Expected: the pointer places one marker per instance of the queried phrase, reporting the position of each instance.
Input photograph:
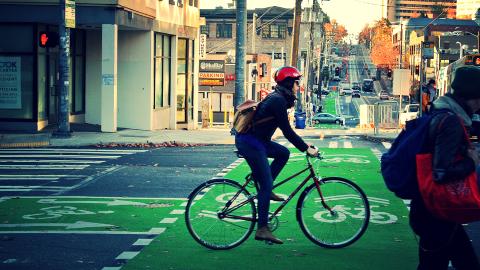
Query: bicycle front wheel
(213, 223)
(344, 223)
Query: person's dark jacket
(276, 105)
(447, 140)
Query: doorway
(52, 84)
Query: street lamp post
(461, 49)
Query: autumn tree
(365, 36)
(336, 30)
(383, 52)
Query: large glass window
(16, 72)
(182, 48)
(78, 64)
(162, 70)
(274, 31)
(224, 30)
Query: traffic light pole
(64, 81)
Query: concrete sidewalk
(215, 135)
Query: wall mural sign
(10, 83)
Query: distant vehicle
(356, 86)
(410, 112)
(367, 85)
(356, 93)
(345, 91)
(383, 95)
(327, 118)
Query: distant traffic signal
(48, 39)
(337, 71)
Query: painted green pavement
(387, 244)
(80, 214)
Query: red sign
(230, 77)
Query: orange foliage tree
(335, 29)
(383, 52)
(364, 36)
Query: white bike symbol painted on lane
(57, 211)
(334, 158)
(342, 212)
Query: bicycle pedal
(267, 242)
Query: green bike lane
(387, 243)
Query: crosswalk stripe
(32, 187)
(42, 167)
(347, 144)
(66, 161)
(55, 155)
(73, 150)
(387, 145)
(41, 175)
(333, 145)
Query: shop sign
(428, 50)
(212, 73)
(70, 13)
(10, 83)
(212, 66)
(203, 46)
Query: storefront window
(182, 76)
(162, 70)
(16, 72)
(77, 62)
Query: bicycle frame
(225, 213)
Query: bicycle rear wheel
(340, 227)
(207, 221)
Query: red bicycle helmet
(286, 72)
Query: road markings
(42, 167)
(387, 145)
(127, 255)
(168, 220)
(68, 226)
(66, 161)
(333, 145)
(61, 156)
(177, 212)
(143, 242)
(347, 144)
(109, 203)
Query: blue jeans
(256, 154)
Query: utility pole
(296, 32)
(294, 53)
(254, 32)
(240, 52)
(64, 71)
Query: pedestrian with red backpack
(254, 143)
(452, 159)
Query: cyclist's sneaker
(275, 197)
(264, 234)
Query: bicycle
(221, 214)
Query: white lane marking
(94, 197)
(75, 232)
(156, 231)
(143, 242)
(30, 179)
(333, 145)
(40, 175)
(387, 145)
(32, 187)
(168, 220)
(66, 161)
(184, 204)
(72, 150)
(127, 255)
(177, 212)
(60, 156)
(42, 167)
(347, 144)
(112, 268)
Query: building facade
(132, 64)
(466, 9)
(406, 9)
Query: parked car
(411, 112)
(327, 118)
(383, 95)
(356, 86)
(356, 93)
(367, 85)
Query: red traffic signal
(48, 39)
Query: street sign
(203, 46)
(70, 13)
(401, 81)
(212, 73)
(427, 48)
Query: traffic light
(389, 73)
(48, 39)
(337, 71)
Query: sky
(354, 14)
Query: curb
(377, 139)
(24, 141)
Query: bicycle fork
(322, 199)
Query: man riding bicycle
(256, 146)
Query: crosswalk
(341, 143)
(50, 171)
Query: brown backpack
(243, 120)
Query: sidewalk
(215, 135)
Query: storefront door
(52, 88)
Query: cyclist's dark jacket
(275, 104)
(448, 143)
